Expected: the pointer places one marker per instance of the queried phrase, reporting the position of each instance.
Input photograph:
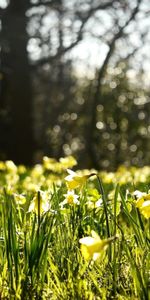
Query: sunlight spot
(106, 135)
(113, 84)
(67, 149)
(73, 116)
(111, 147)
(100, 107)
(56, 128)
(100, 125)
(133, 148)
(141, 115)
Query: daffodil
(92, 246)
(21, 169)
(30, 185)
(96, 204)
(70, 198)
(49, 163)
(44, 203)
(37, 171)
(140, 198)
(68, 162)
(20, 199)
(143, 203)
(108, 177)
(10, 166)
(73, 180)
(2, 166)
(145, 209)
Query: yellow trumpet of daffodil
(73, 180)
(70, 198)
(143, 203)
(140, 197)
(145, 209)
(92, 246)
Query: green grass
(40, 256)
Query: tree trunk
(16, 69)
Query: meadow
(74, 234)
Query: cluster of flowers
(125, 175)
(92, 246)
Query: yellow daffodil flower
(10, 166)
(70, 198)
(140, 198)
(73, 180)
(20, 199)
(21, 169)
(49, 163)
(143, 203)
(68, 162)
(145, 209)
(92, 246)
(2, 166)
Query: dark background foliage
(47, 107)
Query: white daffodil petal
(87, 240)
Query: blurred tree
(16, 70)
(45, 100)
(21, 20)
(122, 128)
(118, 34)
(123, 120)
